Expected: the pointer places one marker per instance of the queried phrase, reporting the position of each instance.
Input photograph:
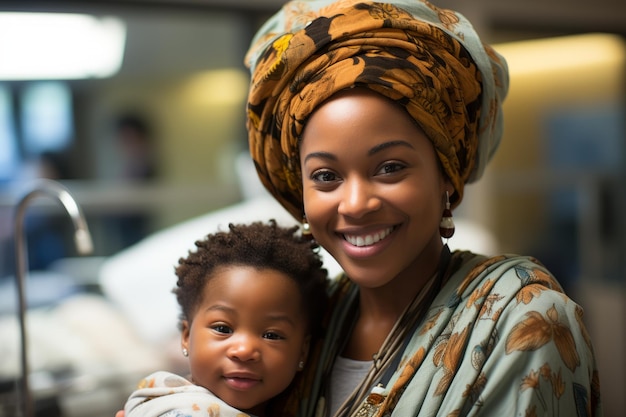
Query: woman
(366, 120)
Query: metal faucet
(84, 245)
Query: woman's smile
(368, 239)
(362, 246)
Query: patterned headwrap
(427, 59)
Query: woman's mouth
(369, 239)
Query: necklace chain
(391, 346)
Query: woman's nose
(358, 198)
(243, 347)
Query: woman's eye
(222, 328)
(323, 176)
(391, 167)
(272, 336)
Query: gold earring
(306, 229)
(446, 226)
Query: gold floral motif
(556, 386)
(526, 294)
(448, 354)
(537, 330)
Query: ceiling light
(38, 46)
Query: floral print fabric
(169, 395)
(501, 339)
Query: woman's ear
(448, 188)
(451, 190)
(447, 185)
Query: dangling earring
(306, 229)
(446, 226)
(301, 365)
(185, 352)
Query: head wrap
(427, 59)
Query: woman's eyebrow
(390, 144)
(321, 155)
(378, 148)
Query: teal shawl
(500, 338)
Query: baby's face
(248, 336)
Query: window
(46, 117)
(9, 157)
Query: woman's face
(373, 190)
(247, 337)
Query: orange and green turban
(427, 59)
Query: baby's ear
(306, 345)
(184, 334)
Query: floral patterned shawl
(501, 338)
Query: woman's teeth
(368, 239)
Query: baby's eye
(273, 336)
(222, 328)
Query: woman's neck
(390, 300)
(381, 307)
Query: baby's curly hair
(259, 245)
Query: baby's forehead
(257, 283)
(256, 301)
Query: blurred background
(137, 107)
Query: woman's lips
(365, 245)
(367, 239)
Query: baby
(252, 300)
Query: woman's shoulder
(505, 290)
(513, 293)
(507, 274)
